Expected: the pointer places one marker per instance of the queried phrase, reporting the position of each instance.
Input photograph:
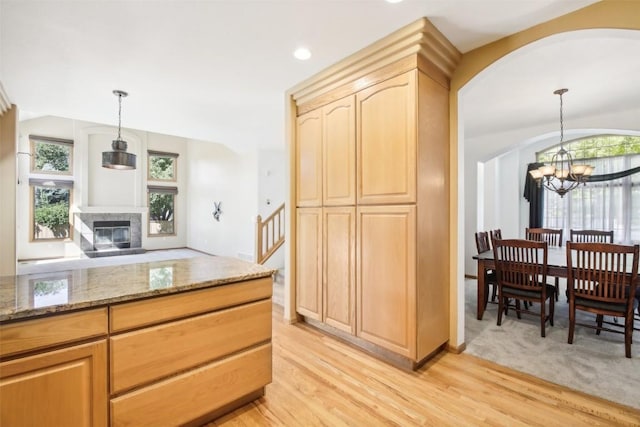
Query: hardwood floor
(319, 381)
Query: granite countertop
(32, 295)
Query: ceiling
(218, 70)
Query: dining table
(556, 267)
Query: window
(50, 201)
(161, 210)
(604, 205)
(51, 198)
(51, 155)
(161, 166)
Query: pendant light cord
(120, 112)
(561, 122)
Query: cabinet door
(339, 267)
(386, 277)
(339, 142)
(309, 159)
(309, 262)
(386, 141)
(59, 388)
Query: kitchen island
(162, 343)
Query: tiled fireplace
(109, 234)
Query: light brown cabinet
(61, 387)
(339, 153)
(386, 141)
(186, 357)
(386, 279)
(326, 268)
(179, 359)
(325, 155)
(338, 278)
(398, 227)
(309, 265)
(309, 159)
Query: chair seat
(601, 305)
(517, 292)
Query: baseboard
(456, 349)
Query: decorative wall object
(217, 211)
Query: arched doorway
(473, 70)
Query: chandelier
(561, 175)
(119, 158)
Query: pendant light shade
(119, 158)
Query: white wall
(218, 174)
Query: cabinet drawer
(35, 334)
(149, 354)
(153, 311)
(194, 394)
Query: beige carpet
(593, 364)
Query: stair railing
(269, 234)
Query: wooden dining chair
(550, 235)
(483, 245)
(602, 279)
(596, 236)
(521, 269)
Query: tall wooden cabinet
(372, 221)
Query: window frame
(48, 184)
(37, 139)
(159, 154)
(173, 191)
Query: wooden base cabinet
(179, 359)
(386, 280)
(326, 268)
(339, 274)
(185, 358)
(49, 375)
(65, 387)
(194, 394)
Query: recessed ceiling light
(302, 53)
(394, 1)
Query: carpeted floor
(593, 364)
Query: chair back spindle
(592, 236)
(602, 278)
(552, 236)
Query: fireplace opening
(111, 235)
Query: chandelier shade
(119, 158)
(561, 175)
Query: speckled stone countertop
(33, 295)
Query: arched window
(603, 205)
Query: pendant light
(561, 175)
(119, 158)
